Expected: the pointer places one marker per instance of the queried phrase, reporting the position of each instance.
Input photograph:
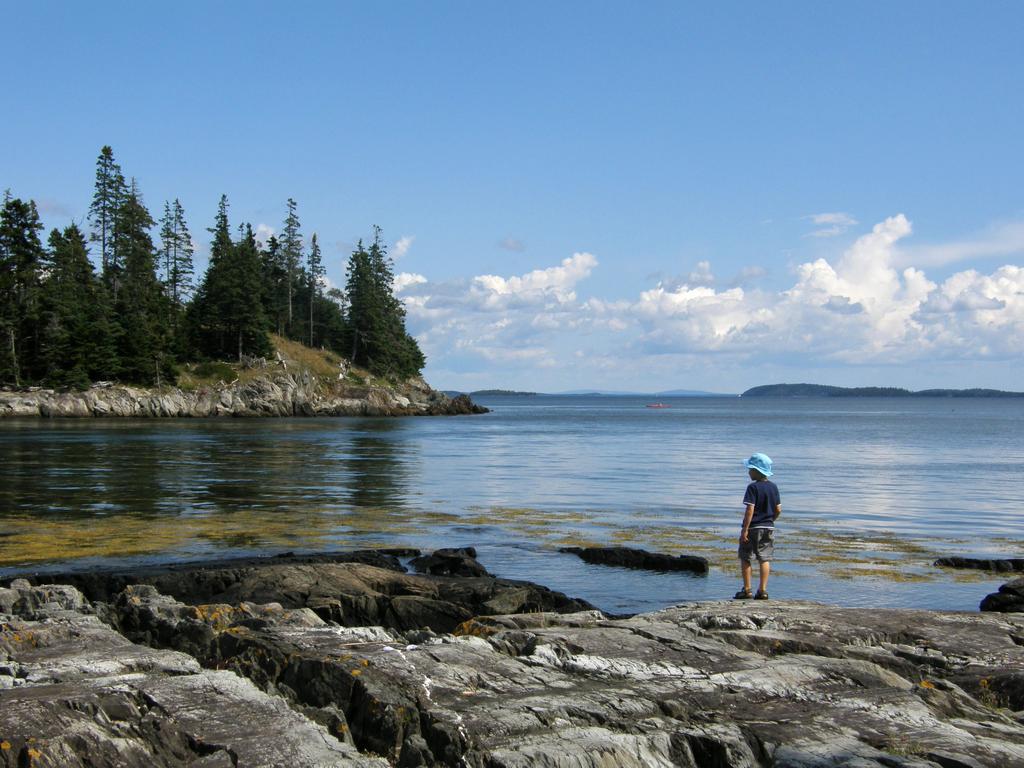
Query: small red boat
(658, 405)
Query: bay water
(873, 490)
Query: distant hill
(824, 390)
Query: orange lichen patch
(355, 672)
(474, 628)
(927, 684)
(5, 745)
(22, 638)
(218, 616)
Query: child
(757, 537)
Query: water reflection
(859, 486)
(111, 489)
(377, 462)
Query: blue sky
(680, 195)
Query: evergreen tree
(275, 285)
(243, 313)
(315, 271)
(206, 330)
(21, 254)
(77, 340)
(227, 317)
(376, 317)
(167, 238)
(361, 303)
(176, 253)
(139, 301)
(398, 354)
(334, 330)
(107, 197)
(291, 254)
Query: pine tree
(181, 268)
(275, 285)
(334, 329)
(315, 271)
(176, 250)
(398, 354)
(376, 317)
(176, 270)
(168, 239)
(139, 301)
(107, 197)
(361, 303)
(77, 339)
(205, 329)
(21, 254)
(244, 313)
(291, 254)
(226, 316)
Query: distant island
(823, 390)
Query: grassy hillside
(297, 357)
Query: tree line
(139, 312)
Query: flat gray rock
(728, 684)
(73, 692)
(724, 684)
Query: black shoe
(761, 595)
(743, 594)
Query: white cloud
(263, 233)
(863, 307)
(541, 285)
(830, 224)
(402, 247)
(404, 280)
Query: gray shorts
(760, 545)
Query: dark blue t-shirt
(764, 495)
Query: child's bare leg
(766, 566)
(745, 570)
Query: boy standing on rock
(757, 538)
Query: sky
(619, 196)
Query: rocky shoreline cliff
(353, 662)
(278, 393)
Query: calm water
(873, 490)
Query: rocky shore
(350, 661)
(278, 393)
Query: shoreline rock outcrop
(279, 393)
(997, 564)
(629, 557)
(340, 588)
(250, 665)
(1009, 598)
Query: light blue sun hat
(761, 462)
